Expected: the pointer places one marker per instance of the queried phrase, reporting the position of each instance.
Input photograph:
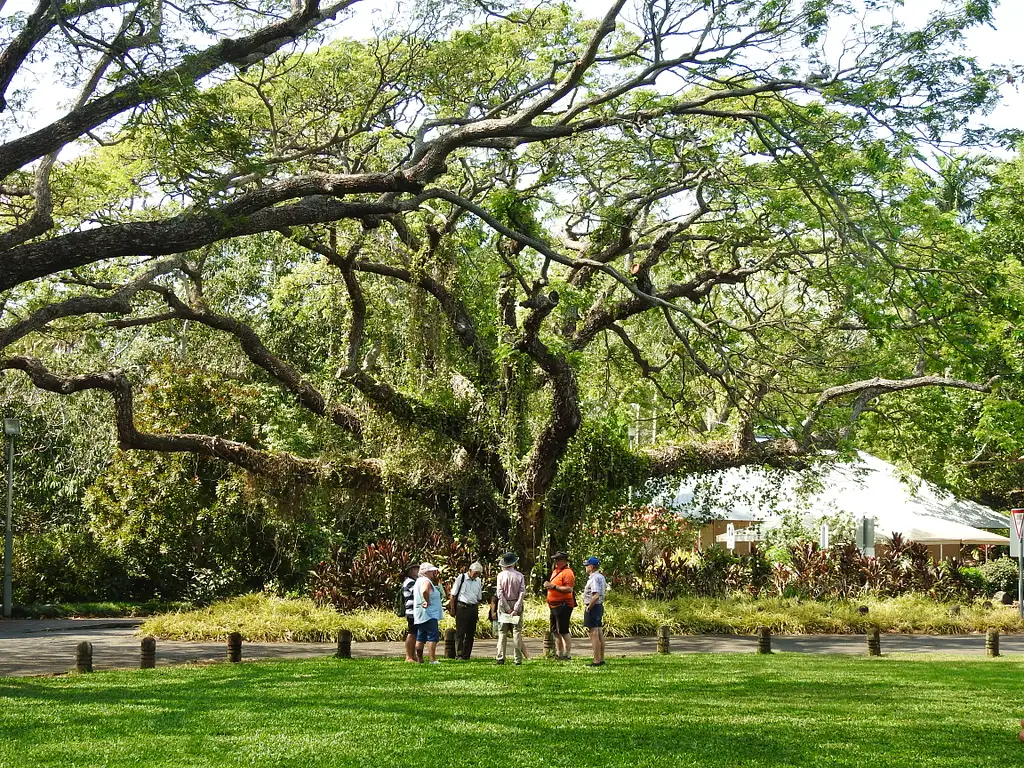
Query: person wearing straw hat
(593, 608)
(511, 592)
(427, 612)
(467, 592)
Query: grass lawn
(685, 710)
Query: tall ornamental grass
(264, 618)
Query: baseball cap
(591, 561)
(426, 567)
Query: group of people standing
(424, 598)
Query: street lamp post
(12, 428)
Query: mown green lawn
(686, 710)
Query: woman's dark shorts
(560, 619)
(593, 617)
(412, 624)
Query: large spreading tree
(488, 232)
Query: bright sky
(998, 44)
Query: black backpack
(400, 601)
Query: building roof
(866, 487)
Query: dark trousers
(466, 617)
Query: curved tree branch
(118, 302)
(308, 396)
(688, 458)
(872, 388)
(240, 51)
(185, 232)
(364, 475)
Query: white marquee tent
(868, 487)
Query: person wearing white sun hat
(427, 612)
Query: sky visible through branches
(998, 44)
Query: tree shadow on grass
(683, 711)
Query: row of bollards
(83, 653)
(147, 659)
(764, 641)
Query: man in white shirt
(467, 592)
(593, 608)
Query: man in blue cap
(593, 608)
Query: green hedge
(263, 618)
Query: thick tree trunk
(542, 466)
(529, 535)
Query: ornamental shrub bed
(264, 618)
(801, 570)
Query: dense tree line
(338, 285)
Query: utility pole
(12, 428)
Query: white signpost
(1017, 516)
(1017, 549)
(730, 536)
(823, 541)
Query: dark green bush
(1000, 575)
(64, 566)
(974, 581)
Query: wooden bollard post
(449, 643)
(83, 657)
(663, 642)
(148, 659)
(992, 642)
(764, 640)
(344, 644)
(874, 642)
(549, 645)
(235, 647)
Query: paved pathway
(48, 647)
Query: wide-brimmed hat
(560, 556)
(427, 567)
(509, 559)
(410, 566)
(477, 566)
